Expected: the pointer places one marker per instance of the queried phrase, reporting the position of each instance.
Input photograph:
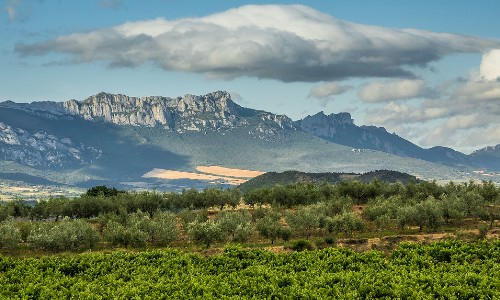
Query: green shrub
(10, 235)
(301, 245)
(163, 229)
(116, 234)
(63, 236)
(206, 233)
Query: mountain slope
(488, 157)
(340, 128)
(119, 138)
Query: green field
(446, 270)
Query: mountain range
(115, 139)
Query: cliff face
(37, 147)
(213, 111)
(326, 125)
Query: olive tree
(63, 236)
(346, 222)
(206, 233)
(10, 236)
(231, 221)
(303, 221)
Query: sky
(428, 71)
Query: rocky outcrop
(214, 111)
(326, 125)
(40, 149)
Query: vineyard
(445, 270)
(300, 241)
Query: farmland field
(446, 270)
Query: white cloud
(488, 137)
(465, 115)
(381, 91)
(12, 10)
(490, 65)
(283, 42)
(328, 89)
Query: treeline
(100, 200)
(109, 217)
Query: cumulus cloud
(328, 89)
(382, 91)
(324, 93)
(490, 65)
(282, 42)
(466, 114)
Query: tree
(425, 213)
(304, 221)
(163, 229)
(10, 235)
(243, 232)
(118, 234)
(65, 235)
(346, 222)
(270, 227)
(102, 190)
(473, 200)
(454, 207)
(206, 233)
(230, 220)
(57, 207)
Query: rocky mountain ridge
(340, 128)
(213, 111)
(114, 139)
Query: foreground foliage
(446, 270)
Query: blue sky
(426, 70)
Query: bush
(10, 235)
(117, 234)
(207, 232)
(346, 222)
(163, 229)
(66, 235)
(301, 245)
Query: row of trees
(100, 200)
(139, 219)
(139, 229)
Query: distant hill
(291, 177)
